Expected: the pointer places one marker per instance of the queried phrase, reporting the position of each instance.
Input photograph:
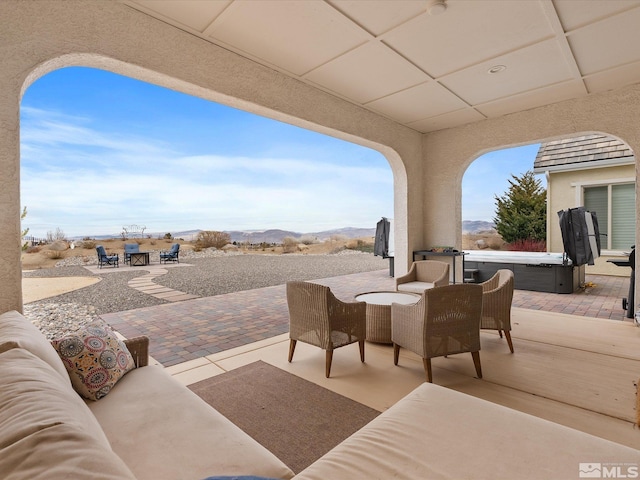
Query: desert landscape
(51, 255)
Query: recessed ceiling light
(436, 7)
(497, 69)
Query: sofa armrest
(139, 349)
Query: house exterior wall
(564, 192)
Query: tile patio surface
(185, 330)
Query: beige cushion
(95, 359)
(60, 452)
(32, 398)
(46, 430)
(162, 430)
(415, 287)
(438, 433)
(17, 330)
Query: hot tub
(537, 271)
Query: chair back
(101, 251)
(452, 319)
(131, 248)
(308, 305)
(175, 248)
(431, 270)
(496, 300)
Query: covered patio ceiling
(427, 64)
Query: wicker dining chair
(318, 318)
(497, 295)
(423, 275)
(445, 321)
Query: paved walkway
(145, 284)
(186, 330)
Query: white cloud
(90, 182)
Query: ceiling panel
(367, 73)
(427, 100)
(448, 120)
(427, 71)
(614, 78)
(608, 43)
(532, 99)
(379, 16)
(534, 67)
(578, 13)
(294, 36)
(457, 39)
(195, 14)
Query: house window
(615, 207)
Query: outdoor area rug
(297, 420)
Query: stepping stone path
(146, 285)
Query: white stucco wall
(39, 36)
(448, 153)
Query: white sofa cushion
(438, 433)
(148, 410)
(17, 330)
(415, 287)
(46, 430)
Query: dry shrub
(289, 245)
(88, 244)
(33, 249)
(210, 238)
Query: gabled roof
(586, 151)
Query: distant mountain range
(276, 235)
(477, 226)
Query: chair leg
(292, 348)
(427, 369)
(476, 362)
(396, 353)
(500, 333)
(327, 368)
(507, 334)
(361, 345)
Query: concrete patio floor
(576, 370)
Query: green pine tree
(521, 213)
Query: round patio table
(379, 312)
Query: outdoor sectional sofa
(150, 426)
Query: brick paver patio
(190, 329)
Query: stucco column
(10, 262)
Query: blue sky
(101, 151)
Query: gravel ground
(209, 276)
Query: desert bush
(168, 236)
(308, 240)
(289, 245)
(360, 245)
(89, 244)
(33, 249)
(528, 245)
(152, 242)
(337, 238)
(55, 236)
(210, 238)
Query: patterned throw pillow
(94, 358)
